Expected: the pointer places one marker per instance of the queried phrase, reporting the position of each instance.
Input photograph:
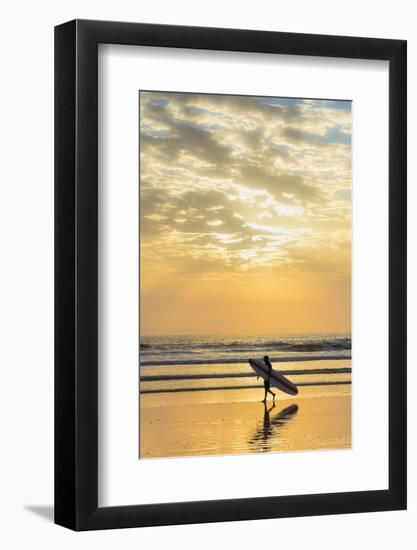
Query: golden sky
(245, 214)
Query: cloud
(231, 184)
(278, 183)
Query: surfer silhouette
(267, 382)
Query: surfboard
(277, 379)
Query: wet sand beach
(210, 421)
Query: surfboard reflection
(261, 441)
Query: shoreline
(223, 388)
(185, 378)
(238, 360)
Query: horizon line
(341, 333)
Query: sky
(245, 215)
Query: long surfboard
(277, 379)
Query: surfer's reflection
(261, 440)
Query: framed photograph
(230, 245)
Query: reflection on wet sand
(180, 425)
(261, 441)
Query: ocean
(171, 364)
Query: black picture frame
(76, 272)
